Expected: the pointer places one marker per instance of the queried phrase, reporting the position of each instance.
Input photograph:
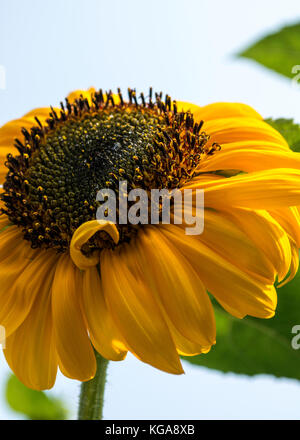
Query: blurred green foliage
(257, 346)
(279, 51)
(289, 130)
(34, 405)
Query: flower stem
(92, 393)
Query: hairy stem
(92, 393)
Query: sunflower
(71, 284)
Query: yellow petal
(4, 223)
(219, 110)
(12, 130)
(85, 94)
(178, 287)
(88, 94)
(136, 313)
(22, 272)
(183, 345)
(103, 333)
(268, 236)
(248, 160)
(10, 238)
(189, 107)
(237, 291)
(259, 190)
(30, 350)
(83, 234)
(76, 355)
(229, 130)
(228, 240)
(294, 264)
(289, 219)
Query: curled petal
(83, 234)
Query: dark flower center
(51, 186)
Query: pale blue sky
(184, 48)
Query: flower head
(70, 282)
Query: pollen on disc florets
(51, 186)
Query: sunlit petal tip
(83, 234)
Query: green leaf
(289, 130)
(33, 404)
(279, 51)
(258, 346)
